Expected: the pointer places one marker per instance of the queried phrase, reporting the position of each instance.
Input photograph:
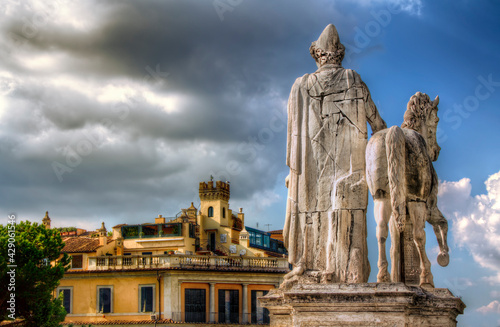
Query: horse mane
(417, 111)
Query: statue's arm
(372, 116)
(294, 102)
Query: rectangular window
(104, 299)
(174, 229)
(146, 298)
(192, 231)
(67, 294)
(266, 241)
(77, 261)
(260, 315)
(195, 305)
(251, 235)
(258, 239)
(130, 231)
(150, 230)
(229, 307)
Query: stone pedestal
(368, 305)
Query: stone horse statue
(404, 185)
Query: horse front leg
(440, 226)
(418, 214)
(382, 215)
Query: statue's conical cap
(329, 39)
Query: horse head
(421, 116)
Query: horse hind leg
(382, 214)
(418, 213)
(395, 251)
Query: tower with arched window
(215, 216)
(215, 201)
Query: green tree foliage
(65, 229)
(35, 277)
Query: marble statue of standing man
(325, 227)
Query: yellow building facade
(203, 265)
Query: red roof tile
(81, 244)
(12, 323)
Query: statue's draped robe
(325, 227)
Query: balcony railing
(128, 262)
(217, 247)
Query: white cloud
(493, 307)
(476, 220)
(81, 16)
(120, 90)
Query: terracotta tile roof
(12, 323)
(120, 322)
(278, 231)
(81, 244)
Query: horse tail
(395, 150)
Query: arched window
(211, 211)
(223, 212)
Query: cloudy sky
(115, 110)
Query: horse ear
(436, 101)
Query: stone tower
(103, 232)
(46, 220)
(215, 201)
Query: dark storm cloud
(233, 77)
(187, 39)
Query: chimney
(160, 220)
(244, 239)
(241, 216)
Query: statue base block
(368, 305)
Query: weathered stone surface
(325, 227)
(373, 304)
(404, 184)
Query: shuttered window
(146, 299)
(195, 305)
(229, 306)
(77, 261)
(104, 303)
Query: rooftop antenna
(267, 226)
(257, 225)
